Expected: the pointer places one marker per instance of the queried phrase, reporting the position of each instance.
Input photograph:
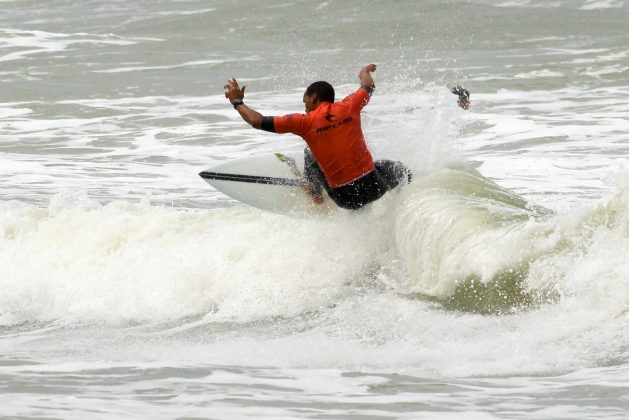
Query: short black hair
(323, 90)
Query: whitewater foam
(138, 262)
(242, 286)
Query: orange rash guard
(334, 135)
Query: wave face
(476, 246)
(458, 231)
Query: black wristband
(368, 88)
(237, 102)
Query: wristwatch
(237, 102)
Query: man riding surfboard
(337, 158)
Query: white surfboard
(269, 181)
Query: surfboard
(270, 181)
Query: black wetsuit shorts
(387, 175)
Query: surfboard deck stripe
(253, 179)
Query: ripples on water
(500, 293)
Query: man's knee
(393, 172)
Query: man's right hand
(365, 75)
(369, 68)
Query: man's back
(334, 134)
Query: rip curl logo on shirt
(335, 125)
(331, 117)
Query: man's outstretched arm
(236, 94)
(360, 98)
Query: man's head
(316, 93)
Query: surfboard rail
(254, 179)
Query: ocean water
(496, 286)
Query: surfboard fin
(315, 194)
(290, 162)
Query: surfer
(337, 158)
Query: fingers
(242, 90)
(231, 84)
